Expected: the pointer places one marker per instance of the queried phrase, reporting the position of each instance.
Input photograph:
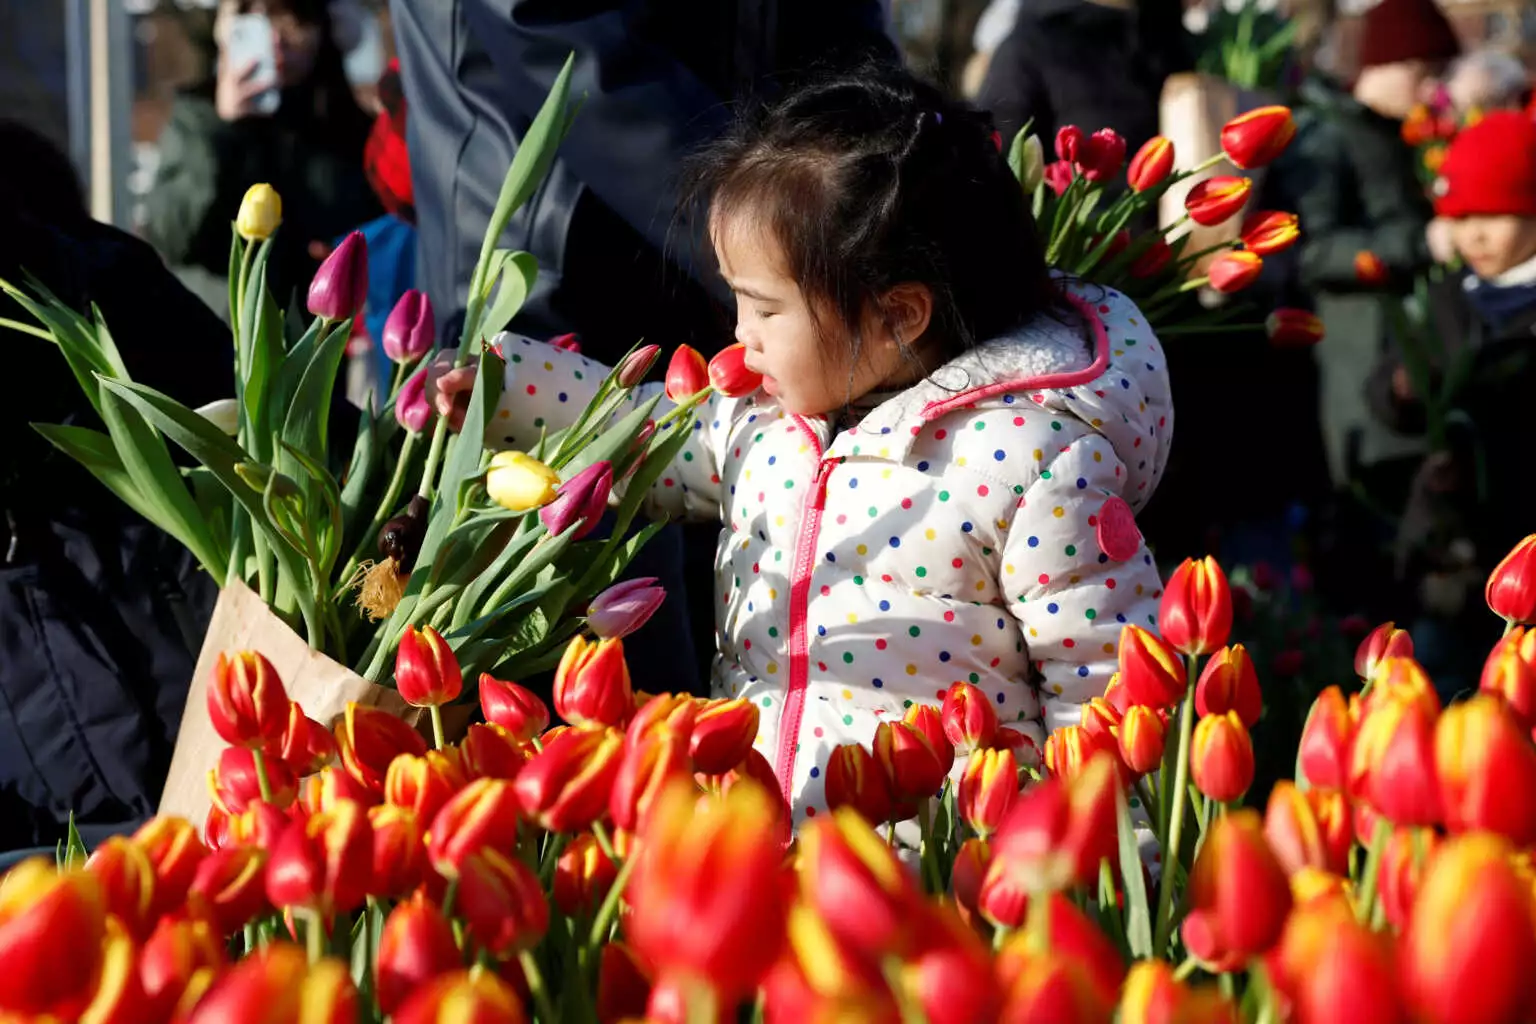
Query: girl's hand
(236, 89)
(448, 389)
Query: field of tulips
(637, 862)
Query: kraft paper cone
(242, 621)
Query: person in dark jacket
(101, 614)
(218, 143)
(1470, 400)
(1092, 63)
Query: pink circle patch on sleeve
(1118, 535)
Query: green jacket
(1349, 177)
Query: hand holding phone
(247, 82)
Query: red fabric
(1490, 169)
(385, 157)
(1403, 30)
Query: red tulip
(1392, 761)
(415, 948)
(1486, 765)
(911, 766)
(424, 783)
(277, 983)
(970, 721)
(987, 790)
(854, 780)
(648, 766)
(119, 998)
(1195, 613)
(1296, 835)
(970, 869)
(502, 902)
(230, 888)
(636, 365)
(1466, 956)
(1238, 893)
(1511, 590)
(399, 856)
(950, 978)
(623, 984)
(1153, 260)
(490, 752)
(583, 876)
(1294, 328)
(1151, 165)
(1150, 669)
(722, 734)
(1140, 738)
(1069, 139)
(854, 882)
(1099, 719)
(1330, 967)
(426, 672)
(262, 825)
(482, 815)
(1217, 199)
(1069, 749)
(1058, 176)
(475, 996)
(592, 683)
(1221, 757)
(127, 880)
(52, 925)
(369, 739)
(1408, 854)
(1051, 988)
(1323, 755)
(1233, 271)
(340, 286)
(1025, 750)
(323, 863)
(321, 791)
(1383, 642)
(1257, 137)
(516, 709)
(176, 965)
(687, 374)
(567, 786)
(247, 704)
(1510, 673)
(1270, 231)
(1074, 935)
(307, 746)
(1229, 683)
(174, 852)
(235, 784)
(730, 375)
(1369, 268)
(1101, 155)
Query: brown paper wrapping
(242, 621)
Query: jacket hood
(1085, 362)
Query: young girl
(935, 482)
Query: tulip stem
(1186, 968)
(448, 898)
(926, 852)
(1037, 922)
(1176, 792)
(536, 986)
(1366, 898)
(314, 935)
(1509, 626)
(261, 775)
(610, 907)
(437, 726)
(600, 833)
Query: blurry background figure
(221, 139)
(995, 24)
(1487, 80)
(101, 614)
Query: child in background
(1467, 505)
(935, 482)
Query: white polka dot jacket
(974, 527)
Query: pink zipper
(799, 614)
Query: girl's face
(1493, 245)
(808, 362)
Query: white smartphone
(250, 39)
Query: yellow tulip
(518, 481)
(261, 211)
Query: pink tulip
(410, 331)
(624, 607)
(341, 284)
(583, 497)
(412, 409)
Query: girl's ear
(908, 311)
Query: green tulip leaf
(515, 272)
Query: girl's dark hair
(872, 178)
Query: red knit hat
(1490, 169)
(1402, 30)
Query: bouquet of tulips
(1245, 44)
(1087, 234)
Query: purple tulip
(341, 284)
(412, 409)
(624, 607)
(584, 497)
(637, 364)
(410, 332)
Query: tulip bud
(246, 701)
(411, 331)
(1329, 966)
(623, 984)
(516, 709)
(1069, 749)
(1140, 737)
(174, 852)
(170, 965)
(1486, 765)
(672, 714)
(1402, 679)
(1152, 994)
(323, 863)
(1233, 271)
(1467, 953)
(730, 375)
(1068, 140)
(1221, 757)
(1238, 893)
(929, 721)
(1229, 683)
(502, 902)
(970, 721)
(412, 410)
(987, 790)
(369, 739)
(235, 784)
(52, 924)
(519, 482)
(483, 814)
(490, 752)
(950, 979)
(1099, 719)
(1270, 231)
(1031, 165)
(306, 746)
(224, 414)
(1323, 754)
(1370, 269)
(229, 888)
(475, 995)
(1153, 261)
(1059, 176)
(687, 374)
(1195, 614)
(1151, 165)
(624, 607)
(1392, 761)
(277, 983)
(1101, 155)
(637, 364)
(580, 501)
(1150, 669)
(424, 783)
(1408, 853)
(911, 767)
(261, 211)
(649, 765)
(262, 825)
(723, 733)
(1511, 590)
(1294, 328)
(592, 683)
(415, 948)
(1054, 838)
(854, 780)
(1217, 199)
(119, 997)
(583, 876)
(340, 286)
(853, 880)
(1297, 837)
(127, 881)
(567, 785)
(1256, 138)
(216, 828)
(321, 792)
(426, 672)
(399, 858)
(1510, 674)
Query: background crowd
(1374, 476)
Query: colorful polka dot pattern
(961, 548)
